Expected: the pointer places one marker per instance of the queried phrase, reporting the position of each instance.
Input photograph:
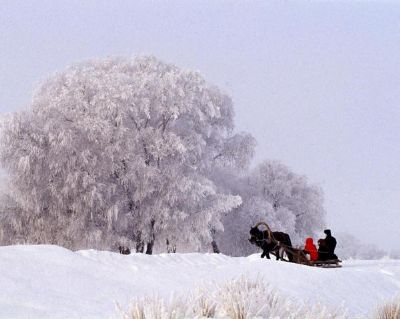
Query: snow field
(53, 282)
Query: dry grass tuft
(204, 305)
(389, 310)
(157, 308)
(241, 298)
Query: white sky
(317, 83)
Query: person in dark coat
(322, 250)
(330, 244)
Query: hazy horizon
(316, 83)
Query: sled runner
(332, 263)
(301, 258)
(297, 254)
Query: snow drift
(53, 282)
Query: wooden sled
(299, 257)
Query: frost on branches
(138, 152)
(119, 150)
(272, 193)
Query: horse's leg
(290, 256)
(281, 253)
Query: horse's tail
(290, 254)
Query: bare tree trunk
(215, 247)
(214, 243)
(169, 248)
(149, 247)
(140, 246)
(139, 243)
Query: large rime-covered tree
(121, 149)
(273, 194)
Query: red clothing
(311, 249)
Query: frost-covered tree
(274, 194)
(230, 165)
(290, 192)
(394, 254)
(122, 149)
(348, 246)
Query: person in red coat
(310, 249)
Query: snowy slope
(53, 282)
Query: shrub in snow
(158, 308)
(204, 304)
(389, 310)
(243, 299)
(236, 299)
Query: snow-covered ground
(53, 282)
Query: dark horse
(263, 240)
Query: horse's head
(258, 236)
(255, 235)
